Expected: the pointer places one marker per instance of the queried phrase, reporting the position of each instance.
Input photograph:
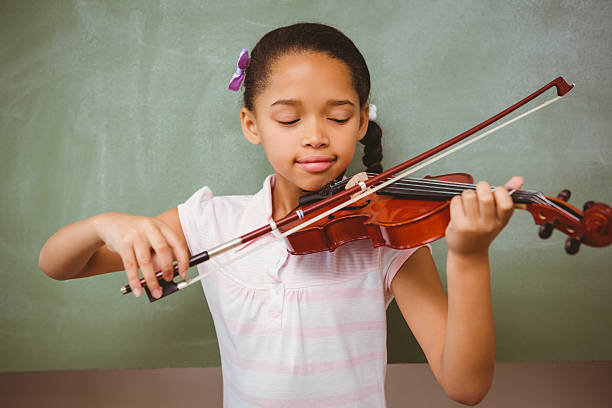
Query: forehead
(309, 77)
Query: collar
(258, 211)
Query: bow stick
(355, 193)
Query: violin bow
(355, 193)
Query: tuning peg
(564, 195)
(572, 245)
(587, 205)
(545, 230)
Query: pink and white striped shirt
(293, 330)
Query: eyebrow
(293, 102)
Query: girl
(310, 330)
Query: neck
(285, 197)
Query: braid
(372, 150)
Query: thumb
(514, 183)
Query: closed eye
(295, 121)
(288, 123)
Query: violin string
(438, 188)
(546, 201)
(517, 197)
(441, 188)
(433, 188)
(446, 192)
(373, 189)
(444, 188)
(436, 183)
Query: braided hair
(303, 37)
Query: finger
(504, 205)
(514, 183)
(142, 250)
(469, 200)
(456, 210)
(179, 247)
(131, 270)
(486, 201)
(163, 251)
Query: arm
(114, 241)
(456, 332)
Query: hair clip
(238, 77)
(372, 112)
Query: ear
(364, 120)
(249, 126)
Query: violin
(413, 212)
(407, 212)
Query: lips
(316, 164)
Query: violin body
(385, 219)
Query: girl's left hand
(477, 217)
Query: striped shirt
(293, 330)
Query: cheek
(349, 140)
(277, 147)
(349, 152)
(276, 151)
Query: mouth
(316, 164)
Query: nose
(315, 136)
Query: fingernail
(137, 291)
(157, 293)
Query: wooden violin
(413, 212)
(407, 212)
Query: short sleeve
(392, 260)
(192, 213)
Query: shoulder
(205, 198)
(207, 219)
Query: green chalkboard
(122, 106)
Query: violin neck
(425, 189)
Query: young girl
(310, 330)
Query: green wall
(122, 106)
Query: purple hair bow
(238, 77)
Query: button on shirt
(293, 330)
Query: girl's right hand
(144, 243)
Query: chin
(311, 186)
(315, 182)
(309, 181)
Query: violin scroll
(597, 221)
(592, 226)
(597, 232)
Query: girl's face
(308, 120)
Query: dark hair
(303, 37)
